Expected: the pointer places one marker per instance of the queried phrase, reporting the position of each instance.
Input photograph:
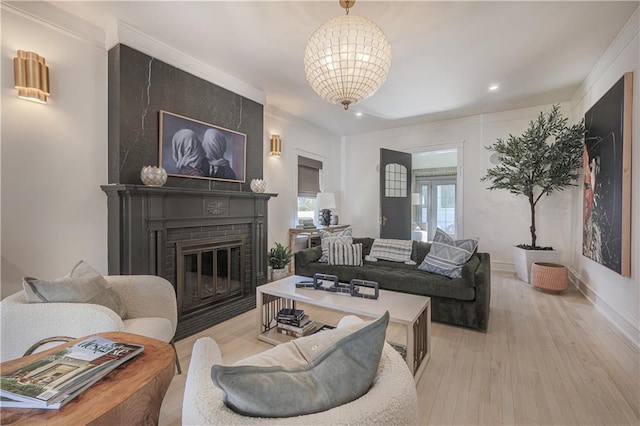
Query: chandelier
(347, 58)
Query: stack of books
(52, 381)
(293, 322)
(306, 223)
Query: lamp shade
(347, 59)
(326, 200)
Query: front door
(395, 194)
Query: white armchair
(151, 311)
(391, 400)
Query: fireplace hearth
(211, 245)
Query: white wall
(298, 138)
(498, 218)
(54, 157)
(618, 297)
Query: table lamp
(326, 201)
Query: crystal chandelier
(347, 58)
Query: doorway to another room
(435, 198)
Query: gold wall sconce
(276, 146)
(31, 77)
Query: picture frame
(194, 149)
(606, 233)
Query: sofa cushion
(345, 254)
(342, 237)
(82, 285)
(306, 375)
(446, 256)
(392, 250)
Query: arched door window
(395, 178)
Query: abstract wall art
(606, 235)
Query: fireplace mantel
(140, 216)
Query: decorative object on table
(278, 258)
(353, 288)
(258, 186)
(306, 223)
(343, 42)
(334, 220)
(325, 201)
(549, 277)
(153, 176)
(31, 77)
(606, 232)
(195, 149)
(275, 146)
(545, 159)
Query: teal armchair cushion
(306, 375)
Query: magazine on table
(52, 381)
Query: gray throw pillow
(345, 254)
(446, 256)
(83, 285)
(307, 375)
(342, 237)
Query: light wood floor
(546, 360)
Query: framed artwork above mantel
(194, 149)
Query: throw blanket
(393, 250)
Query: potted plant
(279, 257)
(545, 159)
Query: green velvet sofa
(462, 301)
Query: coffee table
(411, 311)
(131, 394)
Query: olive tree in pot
(279, 257)
(545, 159)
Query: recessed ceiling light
(493, 87)
(358, 114)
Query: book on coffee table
(52, 381)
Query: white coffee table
(411, 311)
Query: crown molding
(57, 19)
(617, 46)
(120, 32)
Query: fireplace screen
(208, 272)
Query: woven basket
(549, 277)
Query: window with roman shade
(308, 177)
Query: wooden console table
(310, 233)
(131, 394)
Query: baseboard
(502, 266)
(629, 327)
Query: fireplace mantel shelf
(118, 187)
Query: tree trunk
(532, 228)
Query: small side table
(130, 394)
(549, 277)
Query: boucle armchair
(151, 311)
(391, 400)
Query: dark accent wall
(140, 86)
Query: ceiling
(445, 55)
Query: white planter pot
(278, 274)
(523, 259)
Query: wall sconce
(276, 146)
(31, 77)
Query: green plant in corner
(546, 158)
(279, 256)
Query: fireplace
(209, 272)
(211, 245)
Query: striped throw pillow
(392, 250)
(342, 237)
(345, 254)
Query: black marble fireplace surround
(147, 223)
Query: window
(308, 187)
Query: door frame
(459, 145)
